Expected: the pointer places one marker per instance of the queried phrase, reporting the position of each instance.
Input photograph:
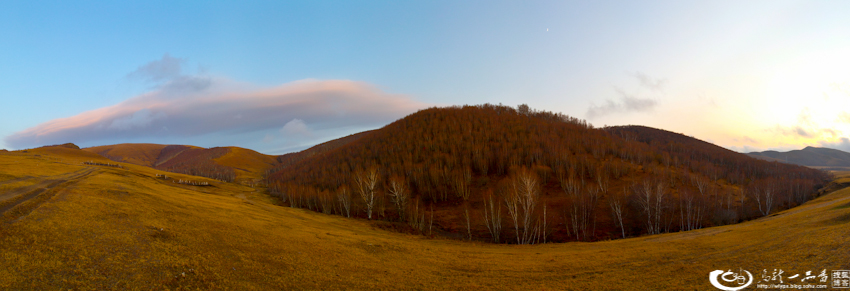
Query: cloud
(296, 127)
(844, 117)
(801, 132)
(627, 103)
(796, 130)
(805, 117)
(138, 119)
(806, 127)
(192, 106)
(842, 144)
(649, 82)
(160, 70)
(746, 139)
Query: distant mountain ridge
(223, 163)
(809, 156)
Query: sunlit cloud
(189, 106)
(797, 130)
(841, 144)
(844, 117)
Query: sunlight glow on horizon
(746, 76)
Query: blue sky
(278, 77)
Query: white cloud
(628, 103)
(296, 127)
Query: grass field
(122, 228)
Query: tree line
(517, 175)
(198, 162)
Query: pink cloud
(192, 106)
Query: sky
(280, 76)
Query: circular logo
(730, 277)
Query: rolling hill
(453, 171)
(809, 156)
(223, 163)
(98, 227)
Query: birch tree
(367, 182)
(617, 203)
(398, 192)
(493, 215)
(521, 202)
(650, 197)
(344, 197)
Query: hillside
(809, 156)
(289, 159)
(99, 228)
(139, 154)
(495, 173)
(223, 163)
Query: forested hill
(523, 176)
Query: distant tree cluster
(93, 163)
(198, 162)
(497, 173)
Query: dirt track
(14, 181)
(10, 199)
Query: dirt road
(10, 199)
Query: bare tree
(616, 202)
(462, 180)
(521, 202)
(367, 182)
(602, 180)
(344, 198)
(466, 215)
(523, 109)
(398, 191)
(691, 210)
(582, 204)
(650, 196)
(764, 195)
(326, 200)
(431, 221)
(415, 219)
(493, 215)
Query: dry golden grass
(249, 164)
(139, 153)
(841, 177)
(125, 229)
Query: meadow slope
(124, 228)
(247, 165)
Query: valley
(121, 228)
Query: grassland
(123, 228)
(249, 165)
(139, 154)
